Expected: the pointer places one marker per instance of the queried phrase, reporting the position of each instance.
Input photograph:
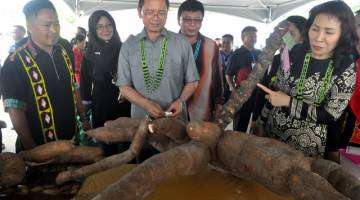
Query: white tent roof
(258, 10)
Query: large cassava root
(273, 164)
(109, 162)
(123, 122)
(47, 151)
(81, 155)
(340, 179)
(13, 166)
(111, 134)
(166, 134)
(269, 162)
(306, 185)
(262, 159)
(62, 151)
(12, 169)
(186, 159)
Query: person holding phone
(316, 89)
(296, 31)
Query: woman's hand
(276, 98)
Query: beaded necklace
(324, 85)
(152, 83)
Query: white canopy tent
(258, 10)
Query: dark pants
(18, 146)
(242, 117)
(348, 129)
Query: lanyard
(324, 85)
(152, 83)
(197, 48)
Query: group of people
(160, 73)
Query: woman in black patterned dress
(318, 86)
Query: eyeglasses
(188, 20)
(153, 13)
(49, 25)
(101, 27)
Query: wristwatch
(182, 102)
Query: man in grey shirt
(156, 69)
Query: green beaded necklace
(325, 81)
(152, 83)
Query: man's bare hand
(154, 109)
(175, 108)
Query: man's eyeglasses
(188, 20)
(102, 27)
(49, 25)
(153, 13)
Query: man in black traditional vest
(37, 81)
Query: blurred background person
(351, 134)
(78, 50)
(240, 65)
(18, 36)
(297, 26)
(208, 97)
(226, 53)
(218, 42)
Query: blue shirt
(179, 68)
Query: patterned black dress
(304, 125)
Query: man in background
(37, 83)
(208, 97)
(226, 53)
(241, 63)
(18, 35)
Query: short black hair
(357, 12)
(34, 6)
(247, 29)
(79, 38)
(21, 28)
(81, 30)
(192, 6)
(298, 21)
(141, 4)
(231, 37)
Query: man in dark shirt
(241, 63)
(18, 34)
(226, 53)
(38, 84)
